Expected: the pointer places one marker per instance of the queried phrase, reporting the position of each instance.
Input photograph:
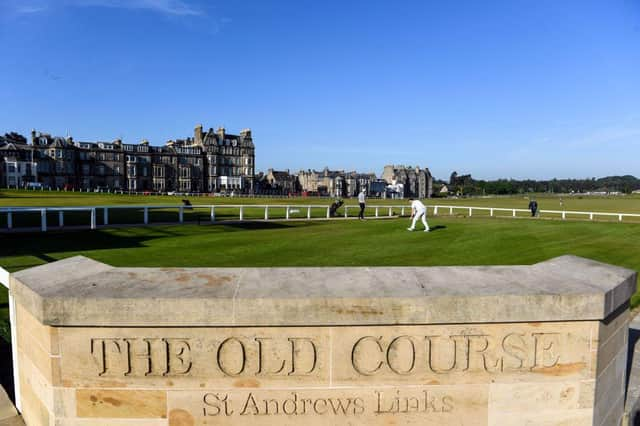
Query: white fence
(286, 212)
(4, 280)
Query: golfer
(418, 211)
(361, 201)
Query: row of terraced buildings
(209, 162)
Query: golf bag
(334, 207)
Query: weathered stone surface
(565, 288)
(196, 357)
(114, 403)
(259, 357)
(416, 405)
(537, 345)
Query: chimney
(220, 132)
(197, 134)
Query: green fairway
(454, 241)
(123, 215)
(621, 203)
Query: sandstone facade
(540, 344)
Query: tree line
(466, 185)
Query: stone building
(17, 165)
(277, 182)
(230, 159)
(416, 182)
(208, 162)
(325, 183)
(358, 181)
(338, 183)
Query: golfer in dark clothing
(361, 201)
(533, 206)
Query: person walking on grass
(361, 201)
(418, 211)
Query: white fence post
(619, 218)
(105, 216)
(564, 215)
(309, 212)
(4, 280)
(491, 212)
(286, 215)
(402, 211)
(146, 216)
(328, 212)
(514, 213)
(345, 211)
(390, 211)
(9, 220)
(266, 212)
(212, 214)
(450, 211)
(376, 211)
(93, 218)
(241, 212)
(590, 216)
(43, 220)
(181, 214)
(60, 218)
(470, 211)
(435, 211)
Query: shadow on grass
(437, 228)
(254, 226)
(42, 246)
(39, 245)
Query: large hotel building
(210, 161)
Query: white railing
(4, 280)
(290, 212)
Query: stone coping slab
(78, 291)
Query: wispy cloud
(28, 9)
(165, 7)
(168, 7)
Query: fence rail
(272, 211)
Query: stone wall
(541, 344)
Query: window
(11, 168)
(86, 170)
(101, 169)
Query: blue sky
(521, 89)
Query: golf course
(384, 242)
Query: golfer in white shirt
(361, 201)
(418, 210)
